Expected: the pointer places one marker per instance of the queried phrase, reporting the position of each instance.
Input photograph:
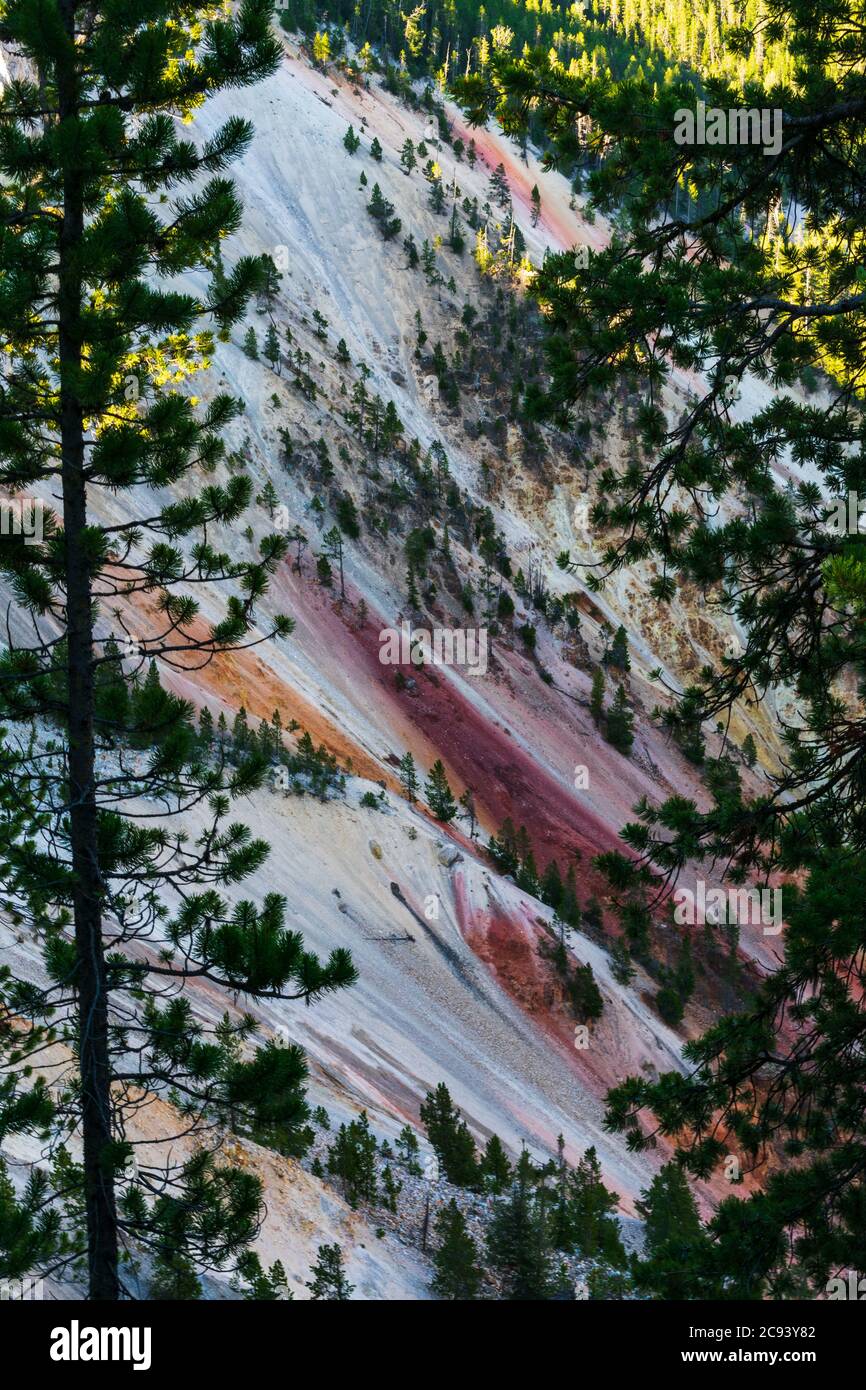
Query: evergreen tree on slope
(99, 346)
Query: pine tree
(375, 413)
(428, 264)
(276, 741)
(412, 595)
(535, 199)
(298, 538)
(584, 995)
(347, 516)
(455, 1257)
(494, 1167)
(288, 448)
(205, 729)
(449, 1134)
(270, 286)
(272, 349)
(95, 241)
(519, 1243)
(437, 196)
(377, 202)
(392, 1188)
(621, 966)
(409, 777)
(269, 498)
(329, 1282)
(360, 400)
(503, 848)
(352, 1159)
(569, 908)
(332, 549)
(552, 886)
(500, 193)
(669, 1210)
(468, 809)
(173, 1278)
(391, 428)
(750, 750)
(673, 1235)
(240, 730)
(251, 344)
(111, 692)
(407, 156)
(616, 655)
(376, 149)
(408, 1149)
(620, 723)
(594, 1229)
(382, 213)
(562, 1223)
(670, 1005)
(438, 793)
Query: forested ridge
(656, 39)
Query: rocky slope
(452, 987)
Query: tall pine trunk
(92, 998)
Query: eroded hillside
(452, 984)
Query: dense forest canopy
(655, 39)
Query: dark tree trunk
(92, 998)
